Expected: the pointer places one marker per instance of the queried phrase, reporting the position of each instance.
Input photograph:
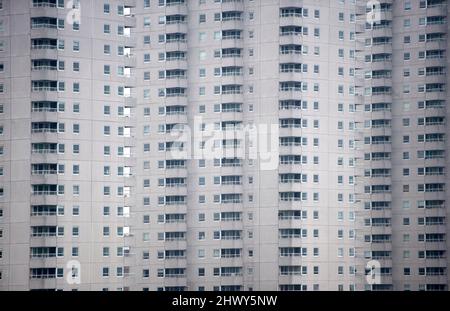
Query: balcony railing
(44, 151)
(44, 67)
(44, 88)
(44, 172)
(44, 130)
(44, 4)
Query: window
(75, 210)
(146, 219)
(105, 272)
(407, 5)
(75, 231)
(316, 32)
(61, 65)
(60, 23)
(76, 46)
(61, 169)
(147, 22)
(76, 108)
(76, 149)
(76, 169)
(201, 271)
(76, 190)
(61, 86)
(76, 87)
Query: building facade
(223, 145)
(405, 126)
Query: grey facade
(101, 191)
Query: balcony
(290, 92)
(176, 56)
(44, 148)
(44, 192)
(44, 73)
(230, 42)
(176, 78)
(44, 176)
(44, 86)
(382, 31)
(44, 48)
(176, 190)
(176, 63)
(42, 26)
(44, 127)
(436, 9)
(176, 45)
(44, 64)
(44, 3)
(129, 3)
(289, 38)
(44, 108)
(44, 169)
(293, 186)
(292, 15)
(176, 7)
(176, 23)
(232, 5)
(232, 79)
(232, 60)
(294, 75)
(232, 53)
(44, 8)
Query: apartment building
(66, 138)
(405, 126)
(128, 158)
